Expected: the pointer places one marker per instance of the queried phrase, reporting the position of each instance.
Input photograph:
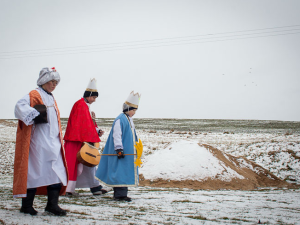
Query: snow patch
(186, 160)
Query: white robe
(85, 177)
(45, 163)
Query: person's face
(131, 112)
(50, 85)
(91, 99)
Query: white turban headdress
(46, 75)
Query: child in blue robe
(117, 168)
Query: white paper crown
(133, 99)
(92, 86)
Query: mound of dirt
(254, 175)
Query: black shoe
(29, 210)
(56, 210)
(104, 191)
(27, 203)
(72, 194)
(101, 192)
(52, 204)
(126, 199)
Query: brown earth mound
(255, 177)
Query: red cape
(80, 124)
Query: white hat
(133, 100)
(46, 75)
(91, 89)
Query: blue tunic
(114, 172)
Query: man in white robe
(46, 168)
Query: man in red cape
(81, 128)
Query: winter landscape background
(272, 145)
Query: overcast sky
(214, 59)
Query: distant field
(203, 125)
(200, 125)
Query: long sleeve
(117, 135)
(24, 112)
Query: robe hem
(20, 196)
(71, 186)
(116, 185)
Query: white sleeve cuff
(24, 112)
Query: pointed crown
(133, 99)
(92, 86)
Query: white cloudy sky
(216, 59)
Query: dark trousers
(120, 192)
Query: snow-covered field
(274, 146)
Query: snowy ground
(165, 206)
(277, 150)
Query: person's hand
(100, 133)
(93, 115)
(120, 153)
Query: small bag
(42, 118)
